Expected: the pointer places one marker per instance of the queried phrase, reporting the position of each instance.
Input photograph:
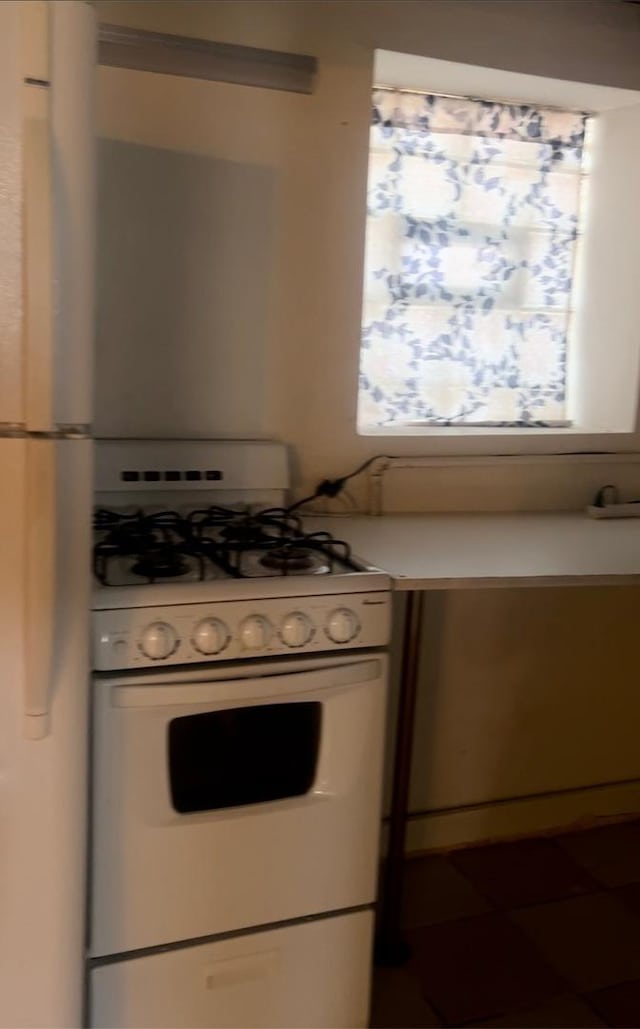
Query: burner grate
(166, 545)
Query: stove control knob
(158, 641)
(296, 630)
(342, 625)
(255, 632)
(210, 636)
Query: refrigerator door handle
(40, 587)
(39, 329)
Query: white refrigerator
(47, 63)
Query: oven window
(245, 755)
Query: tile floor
(542, 932)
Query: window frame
(602, 386)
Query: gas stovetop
(208, 544)
(147, 558)
(197, 559)
(217, 583)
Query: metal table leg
(391, 949)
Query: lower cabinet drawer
(314, 974)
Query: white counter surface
(473, 551)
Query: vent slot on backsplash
(174, 475)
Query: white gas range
(238, 726)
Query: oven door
(232, 801)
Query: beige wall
(527, 712)
(248, 325)
(309, 154)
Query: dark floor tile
(397, 1001)
(560, 1013)
(619, 1005)
(435, 891)
(513, 875)
(593, 941)
(629, 896)
(611, 853)
(478, 967)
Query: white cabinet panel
(43, 781)
(312, 974)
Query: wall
(527, 713)
(313, 149)
(271, 348)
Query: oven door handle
(239, 691)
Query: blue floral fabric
(473, 217)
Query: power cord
(332, 487)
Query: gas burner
(244, 524)
(160, 562)
(292, 558)
(289, 559)
(153, 547)
(210, 543)
(130, 539)
(249, 530)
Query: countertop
(474, 551)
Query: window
(475, 209)
(247, 755)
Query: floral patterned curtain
(471, 235)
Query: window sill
(435, 432)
